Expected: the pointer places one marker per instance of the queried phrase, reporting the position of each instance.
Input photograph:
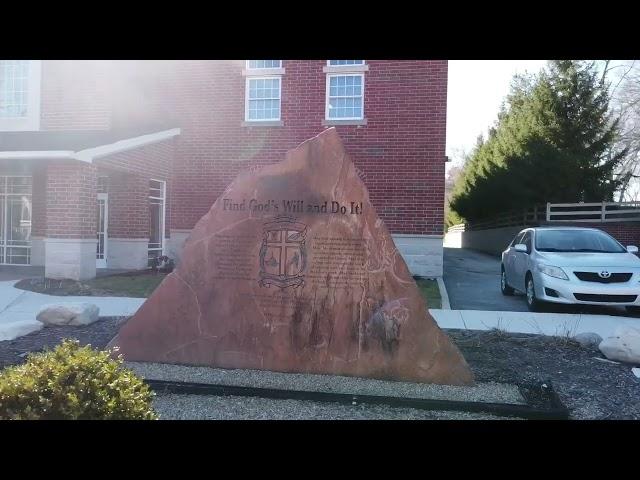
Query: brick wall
(153, 161)
(400, 152)
(71, 201)
(76, 95)
(128, 205)
(39, 201)
(128, 187)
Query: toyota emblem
(604, 274)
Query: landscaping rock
(292, 270)
(68, 314)
(13, 330)
(623, 346)
(588, 339)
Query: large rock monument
(292, 270)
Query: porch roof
(77, 145)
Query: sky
(475, 92)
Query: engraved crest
(283, 255)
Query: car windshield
(576, 241)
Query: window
(577, 241)
(15, 220)
(527, 241)
(345, 97)
(341, 63)
(157, 197)
(19, 95)
(345, 92)
(263, 89)
(262, 99)
(14, 85)
(103, 222)
(257, 64)
(517, 239)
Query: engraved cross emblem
(284, 247)
(282, 256)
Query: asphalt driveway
(473, 283)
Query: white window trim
(249, 72)
(102, 262)
(162, 218)
(247, 120)
(32, 121)
(328, 68)
(327, 97)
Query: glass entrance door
(15, 220)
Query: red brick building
(104, 164)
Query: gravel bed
(590, 388)
(484, 392)
(199, 407)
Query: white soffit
(90, 154)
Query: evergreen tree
(553, 142)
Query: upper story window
(19, 95)
(263, 91)
(263, 99)
(14, 86)
(345, 95)
(345, 90)
(345, 63)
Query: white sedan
(571, 265)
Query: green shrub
(73, 382)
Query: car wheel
(533, 303)
(504, 286)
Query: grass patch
(138, 285)
(130, 286)
(430, 292)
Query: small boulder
(68, 314)
(588, 339)
(623, 346)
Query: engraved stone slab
(292, 270)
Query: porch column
(128, 240)
(38, 215)
(70, 241)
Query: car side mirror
(520, 247)
(632, 249)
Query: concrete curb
(444, 296)
(552, 324)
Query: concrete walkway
(18, 308)
(554, 324)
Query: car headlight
(552, 271)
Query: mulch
(97, 334)
(590, 388)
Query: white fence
(593, 212)
(560, 212)
(492, 235)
